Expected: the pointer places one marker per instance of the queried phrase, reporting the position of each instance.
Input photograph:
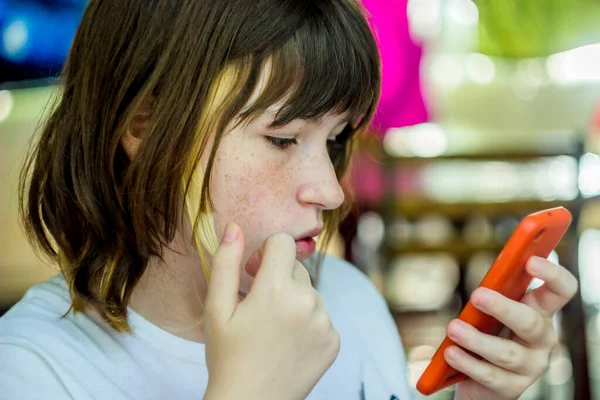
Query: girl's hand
(279, 340)
(510, 366)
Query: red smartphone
(536, 235)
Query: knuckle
(336, 343)
(321, 326)
(533, 329)
(310, 303)
(510, 358)
(323, 321)
(304, 306)
(529, 326)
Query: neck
(172, 291)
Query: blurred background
(490, 110)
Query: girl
(184, 121)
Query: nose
(321, 187)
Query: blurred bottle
(477, 266)
(434, 230)
(365, 248)
(504, 228)
(422, 282)
(478, 230)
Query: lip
(305, 248)
(310, 234)
(306, 245)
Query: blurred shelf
(410, 215)
(526, 156)
(461, 250)
(414, 208)
(456, 247)
(423, 313)
(448, 310)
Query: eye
(281, 143)
(337, 145)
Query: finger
(301, 274)
(278, 259)
(558, 288)
(507, 384)
(524, 321)
(223, 287)
(502, 352)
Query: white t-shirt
(81, 357)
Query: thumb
(222, 296)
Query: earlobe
(140, 122)
(135, 131)
(130, 143)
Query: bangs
(329, 65)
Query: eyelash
(334, 147)
(281, 143)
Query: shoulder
(39, 323)
(35, 339)
(43, 304)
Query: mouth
(306, 245)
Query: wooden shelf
(450, 309)
(456, 246)
(513, 157)
(422, 313)
(461, 250)
(414, 208)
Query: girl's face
(276, 180)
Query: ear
(135, 131)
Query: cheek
(253, 192)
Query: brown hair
(102, 216)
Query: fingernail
(536, 264)
(484, 297)
(231, 233)
(457, 330)
(451, 353)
